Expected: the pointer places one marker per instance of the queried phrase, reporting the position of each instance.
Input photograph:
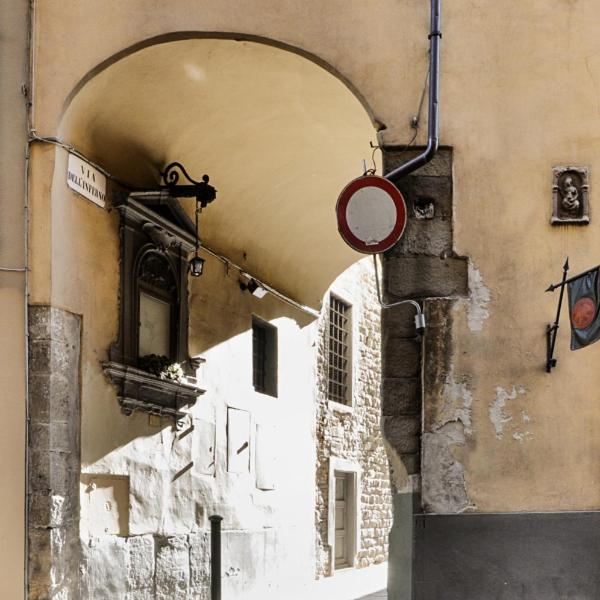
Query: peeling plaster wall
(354, 435)
(536, 102)
(448, 425)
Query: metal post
(215, 557)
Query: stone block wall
(151, 566)
(54, 454)
(354, 435)
(422, 266)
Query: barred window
(264, 357)
(339, 351)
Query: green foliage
(161, 366)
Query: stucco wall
(354, 435)
(511, 111)
(157, 479)
(14, 75)
(145, 493)
(516, 100)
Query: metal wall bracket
(201, 190)
(552, 330)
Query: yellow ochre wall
(13, 74)
(519, 95)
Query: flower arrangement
(161, 366)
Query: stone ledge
(398, 322)
(140, 390)
(50, 323)
(439, 166)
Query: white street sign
(86, 180)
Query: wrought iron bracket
(201, 190)
(552, 330)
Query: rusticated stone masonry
(422, 266)
(54, 454)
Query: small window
(264, 357)
(339, 340)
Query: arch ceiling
(278, 135)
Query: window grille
(339, 351)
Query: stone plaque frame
(152, 225)
(570, 196)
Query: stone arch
(270, 120)
(279, 134)
(233, 36)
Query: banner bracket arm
(552, 330)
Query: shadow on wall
(220, 324)
(279, 136)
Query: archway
(277, 133)
(279, 136)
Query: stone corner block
(402, 357)
(402, 433)
(425, 277)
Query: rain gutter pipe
(435, 36)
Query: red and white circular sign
(371, 214)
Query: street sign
(86, 180)
(371, 214)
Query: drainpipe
(435, 36)
(28, 93)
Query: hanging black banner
(583, 309)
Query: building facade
(352, 469)
(492, 458)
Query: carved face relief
(570, 196)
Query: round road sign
(371, 214)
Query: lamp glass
(196, 266)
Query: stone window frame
(341, 465)
(152, 222)
(335, 405)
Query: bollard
(215, 557)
